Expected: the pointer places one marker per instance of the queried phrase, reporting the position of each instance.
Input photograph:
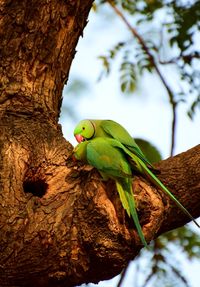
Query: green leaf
(127, 77)
(149, 150)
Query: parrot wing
(108, 159)
(119, 133)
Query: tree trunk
(60, 225)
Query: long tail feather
(159, 184)
(122, 197)
(126, 189)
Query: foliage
(127, 77)
(166, 36)
(172, 24)
(164, 269)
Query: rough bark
(60, 225)
(38, 40)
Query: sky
(145, 114)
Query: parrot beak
(79, 138)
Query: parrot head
(85, 130)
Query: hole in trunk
(37, 188)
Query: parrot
(88, 129)
(91, 129)
(109, 157)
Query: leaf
(150, 151)
(106, 66)
(106, 63)
(127, 77)
(117, 48)
(193, 107)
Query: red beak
(79, 138)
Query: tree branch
(61, 224)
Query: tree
(60, 224)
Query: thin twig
(153, 62)
(186, 58)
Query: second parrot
(109, 157)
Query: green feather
(139, 165)
(160, 185)
(122, 197)
(116, 131)
(90, 129)
(112, 150)
(110, 160)
(131, 211)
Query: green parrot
(91, 129)
(109, 157)
(88, 129)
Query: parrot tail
(122, 197)
(128, 202)
(160, 185)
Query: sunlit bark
(60, 225)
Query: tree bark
(60, 224)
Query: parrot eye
(83, 128)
